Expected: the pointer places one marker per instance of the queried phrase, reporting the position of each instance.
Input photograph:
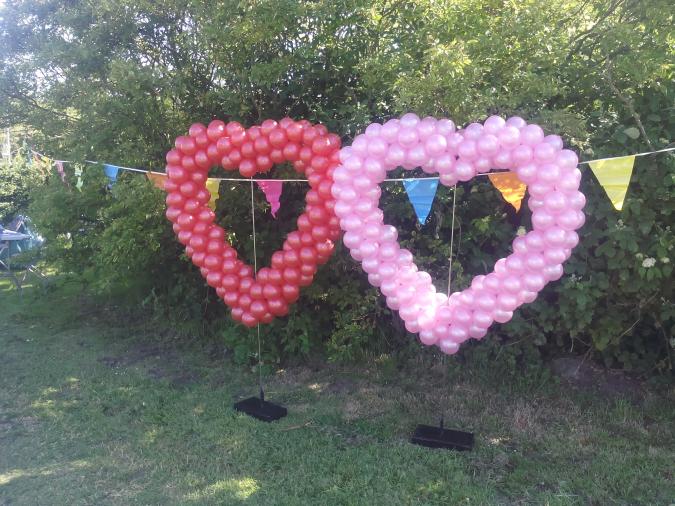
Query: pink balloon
(438, 148)
(428, 337)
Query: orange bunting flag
(157, 179)
(511, 188)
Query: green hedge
(122, 79)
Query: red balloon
(245, 284)
(256, 290)
(237, 313)
(247, 168)
(213, 246)
(198, 258)
(212, 261)
(290, 293)
(278, 138)
(173, 157)
(247, 150)
(230, 298)
(278, 306)
(196, 129)
(306, 280)
(258, 308)
(201, 140)
(188, 162)
(275, 277)
(230, 282)
(271, 291)
(291, 258)
(249, 320)
(293, 131)
(238, 138)
(304, 223)
(277, 156)
(311, 150)
(291, 275)
(177, 173)
(267, 126)
(293, 240)
(189, 189)
(320, 233)
(198, 242)
(308, 136)
(224, 145)
(175, 199)
(230, 267)
(216, 130)
(202, 159)
(173, 213)
(291, 151)
(186, 145)
(245, 301)
(308, 255)
(213, 278)
(262, 145)
(200, 228)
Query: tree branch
(626, 100)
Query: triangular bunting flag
(111, 171)
(614, 176)
(272, 191)
(157, 179)
(61, 172)
(511, 188)
(421, 193)
(78, 174)
(213, 185)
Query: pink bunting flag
(272, 191)
(59, 169)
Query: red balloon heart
(254, 297)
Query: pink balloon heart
(437, 147)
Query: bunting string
(132, 169)
(613, 174)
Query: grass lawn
(98, 409)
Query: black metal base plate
(436, 437)
(262, 410)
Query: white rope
(452, 235)
(390, 180)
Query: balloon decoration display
(313, 151)
(439, 148)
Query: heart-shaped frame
(254, 297)
(437, 147)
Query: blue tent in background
(22, 225)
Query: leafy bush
(599, 75)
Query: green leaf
(632, 132)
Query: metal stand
(440, 437)
(258, 407)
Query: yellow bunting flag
(157, 179)
(212, 185)
(614, 176)
(511, 188)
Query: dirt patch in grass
(584, 375)
(162, 362)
